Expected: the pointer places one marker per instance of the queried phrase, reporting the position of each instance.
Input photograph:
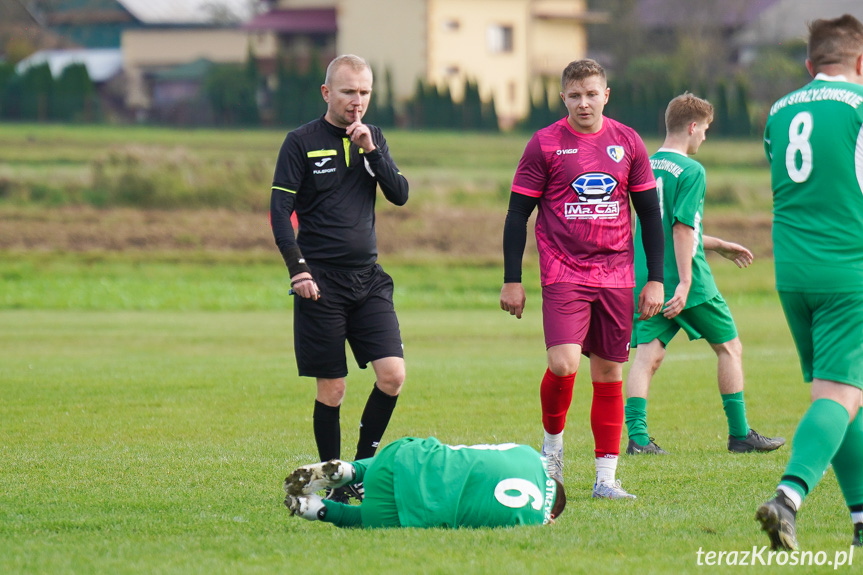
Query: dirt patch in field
(462, 233)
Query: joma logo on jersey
(322, 162)
(584, 211)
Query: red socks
(555, 394)
(606, 410)
(606, 417)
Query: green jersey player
(814, 141)
(423, 483)
(694, 304)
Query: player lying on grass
(416, 482)
(693, 302)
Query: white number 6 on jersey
(525, 491)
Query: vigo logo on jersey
(593, 190)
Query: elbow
(400, 198)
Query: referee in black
(328, 172)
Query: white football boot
(310, 478)
(310, 507)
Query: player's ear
(325, 93)
(810, 67)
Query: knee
(607, 374)
(654, 363)
(331, 392)
(391, 387)
(563, 359)
(390, 380)
(562, 366)
(731, 349)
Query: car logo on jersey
(615, 153)
(594, 187)
(322, 162)
(593, 190)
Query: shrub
(176, 178)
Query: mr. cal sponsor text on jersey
(593, 190)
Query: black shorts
(355, 306)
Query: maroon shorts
(597, 319)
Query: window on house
(499, 38)
(451, 25)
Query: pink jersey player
(583, 183)
(581, 173)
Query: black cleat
(651, 448)
(778, 518)
(339, 495)
(355, 491)
(754, 442)
(858, 535)
(346, 493)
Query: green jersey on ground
(814, 142)
(681, 186)
(439, 485)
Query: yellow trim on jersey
(347, 143)
(284, 189)
(321, 153)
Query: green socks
(818, 438)
(735, 412)
(847, 463)
(342, 514)
(635, 413)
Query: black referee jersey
(332, 185)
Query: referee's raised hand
(360, 135)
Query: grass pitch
(153, 438)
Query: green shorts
(710, 320)
(828, 331)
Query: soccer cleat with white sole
(554, 463)
(310, 507)
(310, 478)
(610, 490)
(651, 448)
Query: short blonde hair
(353, 61)
(579, 70)
(685, 109)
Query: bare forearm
(684, 248)
(712, 243)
